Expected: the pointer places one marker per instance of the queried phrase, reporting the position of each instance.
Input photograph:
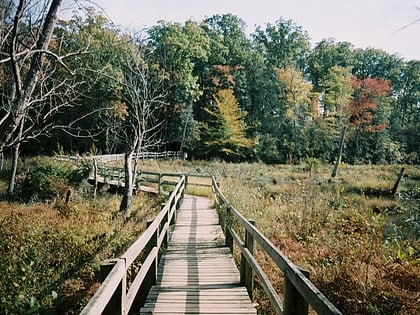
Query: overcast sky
(364, 23)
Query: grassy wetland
(360, 244)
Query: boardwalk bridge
(184, 264)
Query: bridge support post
(246, 271)
(116, 304)
(294, 303)
(160, 180)
(228, 226)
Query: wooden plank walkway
(197, 274)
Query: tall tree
(284, 44)
(143, 99)
(101, 70)
(367, 113)
(338, 93)
(178, 48)
(405, 117)
(296, 110)
(225, 137)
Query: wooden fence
(115, 295)
(106, 158)
(298, 291)
(115, 176)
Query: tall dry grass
(360, 244)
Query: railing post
(294, 303)
(185, 186)
(165, 220)
(95, 177)
(228, 225)
(160, 183)
(116, 304)
(246, 271)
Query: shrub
(48, 181)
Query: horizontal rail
(300, 282)
(116, 157)
(116, 174)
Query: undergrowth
(51, 250)
(360, 245)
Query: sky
(364, 23)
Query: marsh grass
(360, 244)
(362, 249)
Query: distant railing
(117, 157)
(299, 291)
(116, 176)
(115, 296)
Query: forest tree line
(205, 87)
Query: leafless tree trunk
(12, 123)
(340, 152)
(143, 99)
(125, 205)
(31, 97)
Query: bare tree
(140, 113)
(33, 91)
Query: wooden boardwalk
(197, 274)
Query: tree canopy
(297, 99)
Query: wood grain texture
(197, 274)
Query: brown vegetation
(362, 249)
(51, 251)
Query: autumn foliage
(368, 94)
(227, 131)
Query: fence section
(115, 296)
(299, 290)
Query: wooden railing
(141, 155)
(116, 175)
(115, 296)
(299, 291)
(105, 158)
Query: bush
(48, 181)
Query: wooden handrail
(113, 173)
(299, 290)
(113, 289)
(305, 288)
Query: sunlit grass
(359, 243)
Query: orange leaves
(368, 94)
(120, 111)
